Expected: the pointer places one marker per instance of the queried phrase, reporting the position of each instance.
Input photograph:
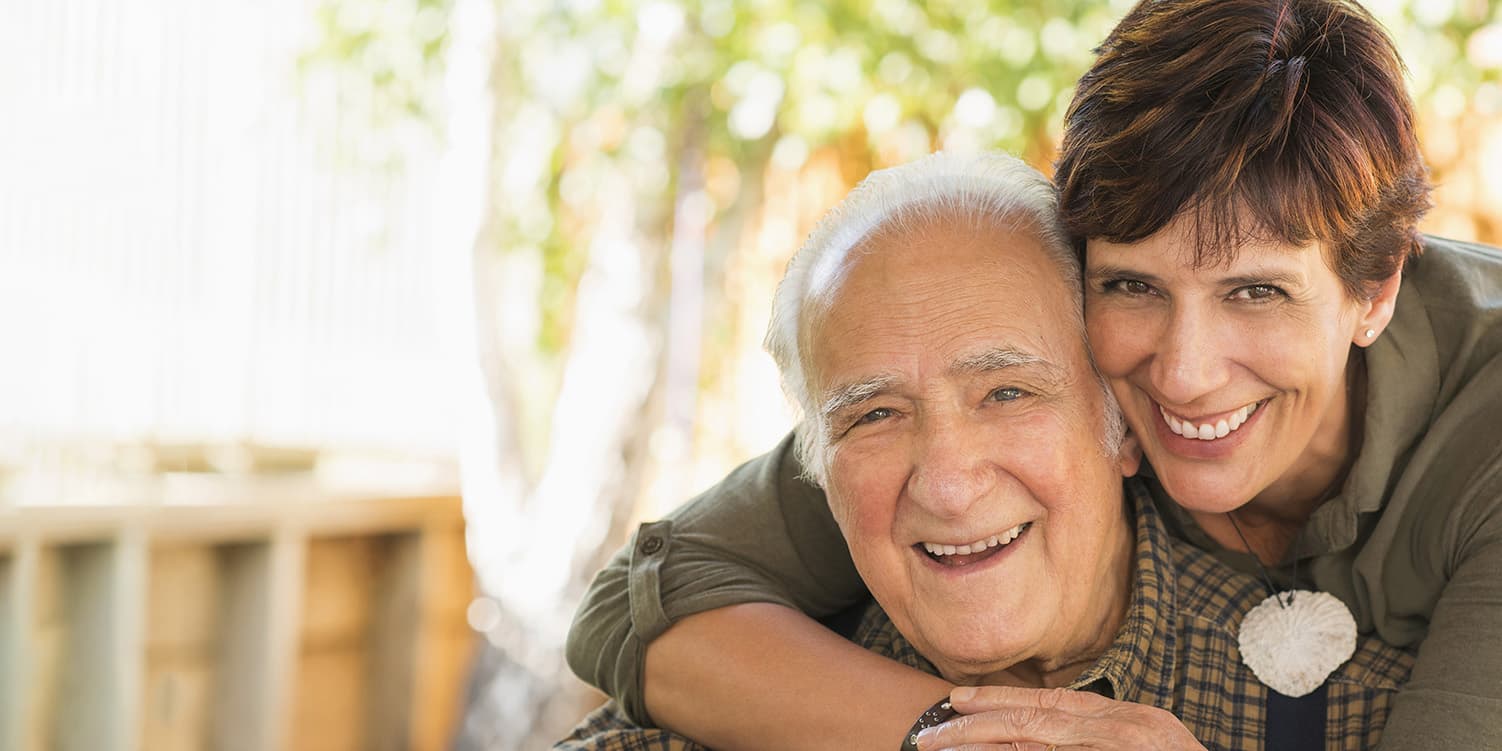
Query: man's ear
(1130, 456)
(1377, 311)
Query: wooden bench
(279, 616)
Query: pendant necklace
(1294, 640)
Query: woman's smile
(1211, 428)
(1209, 437)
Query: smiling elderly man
(930, 330)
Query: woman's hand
(1029, 719)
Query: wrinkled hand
(1027, 719)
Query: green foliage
(382, 62)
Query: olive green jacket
(1413, 543)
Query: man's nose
(951, 469)
(1190, 357)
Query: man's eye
(1006, 394)
(875, 415)
(1257, 292)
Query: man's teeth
(1209, 431)
(975, 547)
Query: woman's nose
(1190, 358)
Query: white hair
(991, 188)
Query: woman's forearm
(760, 676)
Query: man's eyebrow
(998, 358)
(841, 397)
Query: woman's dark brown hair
(1261, 119)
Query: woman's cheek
(1114, 337)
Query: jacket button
(651, 545)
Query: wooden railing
(285, 620)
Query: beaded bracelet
(938, 714)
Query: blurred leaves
(378, 66)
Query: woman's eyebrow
(1273, 277)
(1276, 277)
(1112, 271)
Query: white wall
(182, 259)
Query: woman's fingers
(1009, 747)
(972, 699)
(1017, 726)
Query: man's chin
(969, 661)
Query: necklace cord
(1266, 577)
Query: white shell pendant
(1293, 649)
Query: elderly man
(930, 330)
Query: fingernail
(963, 693)
(926, 738)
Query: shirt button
(651, 545)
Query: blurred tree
(639, 154)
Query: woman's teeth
(1209, 431)
(975, 547)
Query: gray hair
(992, 187)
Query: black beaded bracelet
(938, 714)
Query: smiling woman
(1233, 376)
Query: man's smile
(980, 550)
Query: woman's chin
(1202, 489)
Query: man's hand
(1029, 719)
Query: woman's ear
(1377, 311)
(1130, 455)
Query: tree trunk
(536, 542)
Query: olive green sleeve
(762, 534)
(1453, 698)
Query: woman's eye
(1006, 394)
(875, 415)
(1257, 292)
(1129, 286)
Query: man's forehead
(969, 297)
(1006, 241)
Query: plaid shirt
(1176, 650)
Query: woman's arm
(761, 676)
(1453, 698)
(761, 536)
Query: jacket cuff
(649, 548)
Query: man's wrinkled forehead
(1009, 237)
(1007, 281)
